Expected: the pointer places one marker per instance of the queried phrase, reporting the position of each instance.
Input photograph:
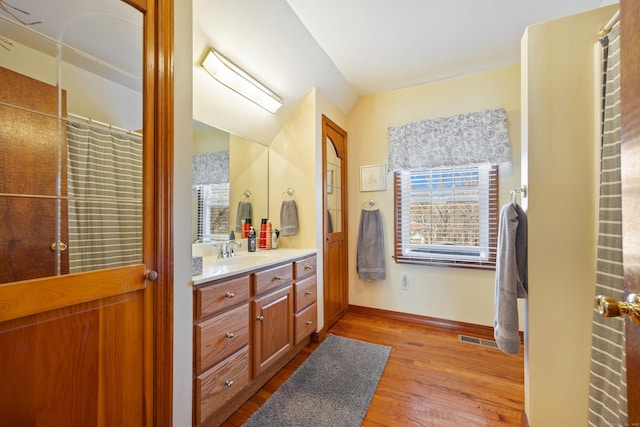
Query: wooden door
(630, 158)
(94, 349)
(29, 225)
(334, 160)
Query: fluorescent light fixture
(236, 79)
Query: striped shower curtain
(105, 198)
(608, 388)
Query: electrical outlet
(405, 282)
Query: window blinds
(447, 216)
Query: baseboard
(479, 331)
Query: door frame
(158, 124)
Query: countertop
(214, 268)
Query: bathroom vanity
(252, 314)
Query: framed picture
(372, 178)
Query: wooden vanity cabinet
(306, 296)
(246, 329)
(221, 344)
(273, 330)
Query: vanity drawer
(219, 384)
(305, 322)
(273, 278)
(215, 298)
(305, 267)
(306, 293)
(220, 336)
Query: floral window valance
(211, 168)
(460, 140)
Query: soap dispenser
(251, 240)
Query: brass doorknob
(611, 307)
(54, 246)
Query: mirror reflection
(230, 183)
(70, 138)
(334, 189)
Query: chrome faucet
(228, 249)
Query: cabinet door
(273, 328)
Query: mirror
(334, 189)
(70, 141)
(230, 183)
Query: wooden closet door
(30, 167)
(95, 348)
(336, 285)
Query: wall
(183, 292)
(457, 294)
(323, 107)
(248, 170)
(558, 133)
(88, 94)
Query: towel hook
(512, 194)
(289, 192)
(371, 203)
(247, 194)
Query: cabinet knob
(309, 322)
(152, 276)
(277, 278)
(260, 318)
(230, 295)
(308, 293)
(229, 335)
(307, 267)
(228, 383)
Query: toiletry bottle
(268, 236)
(262, 241)
(251, 240)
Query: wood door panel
(630, 158)
(74, 364)
(336, 301)
(31, 141)
(26, 238)
(273, 333)
(30, 297)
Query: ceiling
(345, 49)
(349, 49)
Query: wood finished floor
(431, 379)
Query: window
(447, 216)
(213, 212)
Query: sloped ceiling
(345, 49)
(348, 49)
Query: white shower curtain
(608, 388)
(105, 198)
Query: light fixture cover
(236, 79)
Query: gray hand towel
(370, 257)
(511, 276)
(244, 211)
(288, 218)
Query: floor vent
(477, 341)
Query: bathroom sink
(244, 259)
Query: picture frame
(373, 178)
